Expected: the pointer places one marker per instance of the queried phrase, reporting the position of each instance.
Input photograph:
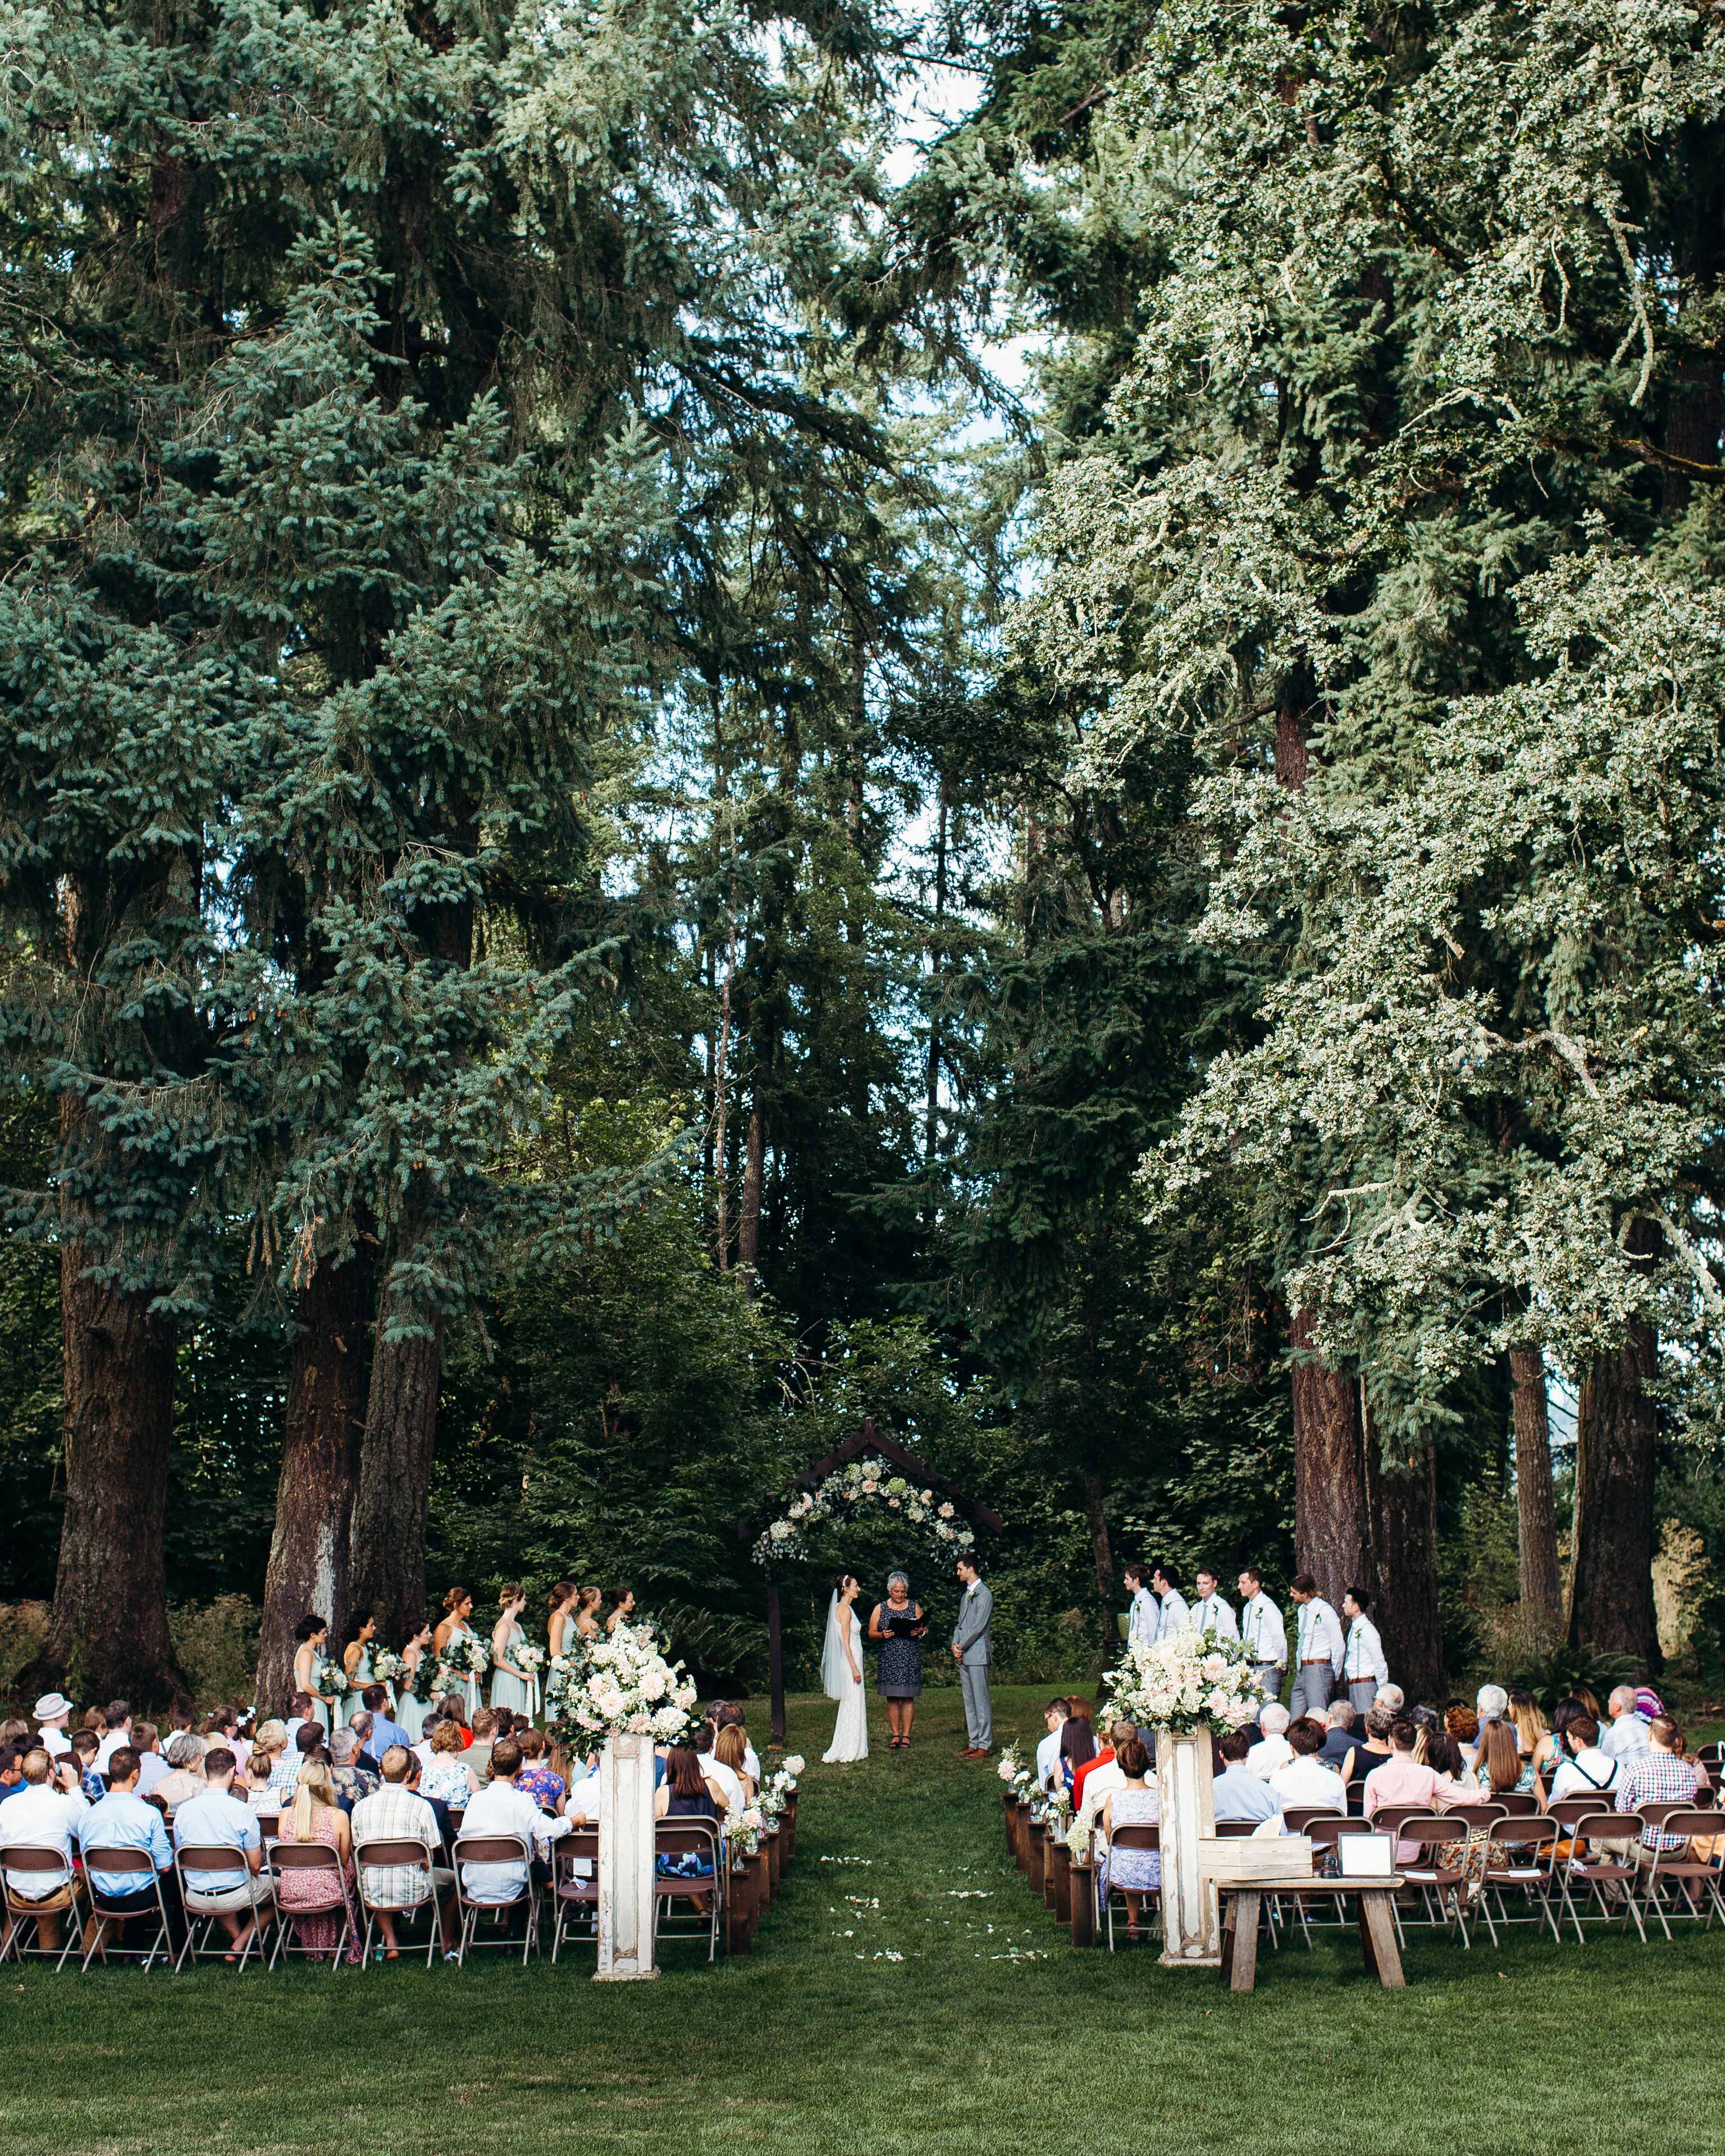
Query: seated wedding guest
(305, 1897)
(448, 1778)
(730, 1749)
(308, 1744)
(1491, 1704)
(1444, 1756)
(582, 1803)
(396, 1811)
(1587, 1769)
(383, 1733)
(1403, 1781)
(52, 1713)
(215, 1818)
(1530, 1726)
(1136, 1872)
(1239, 1792)
(1660, 1774)
(1463, 1724)
(116, 1730)
(1272, 1750)
(85, 1745)
(727, 1714)
(1627, 1736)
(15, 1730)
(537, 1777)
(1339, 1748)
(727, 1779)
(1304, 1781)
(1078, 1746)
(153, 1764)
(353, 1776)
(484, 1726)
(45, 1815)
(302, 1708)
(123, 1820)
(1372, 1750)
(1497, 1764)
(12, 1768)
(1048, 1752)
(1097, 1777)
(687, 1794)
(502, 1809)
(185, 1775)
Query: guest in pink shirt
(1401, 1780)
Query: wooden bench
(1245, 1900)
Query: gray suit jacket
(970, 1635)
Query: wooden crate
(1272, 1860)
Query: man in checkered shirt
(1657, 1775)
(395, 1813)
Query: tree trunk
(1101, 1549)
(394, 1502)
(1535, 1515)
(1616, 1432)
(108, 1635)
(311, 1550)
(1332, 1520)
(749, 1218)
(1403, 1493)
(930, 1125)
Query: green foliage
(1555, 1676)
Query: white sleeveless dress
(850, 1732)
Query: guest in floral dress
(1137, 1872)
(448, 1778)
(544, 1787)
(315, 1816)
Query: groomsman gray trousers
(1269, 1676)
(1361, 1693)
(978, 1714)
(1313, 1684)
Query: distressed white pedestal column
(1191, 1936)
(626, 1860)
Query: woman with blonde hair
(512, 1687)
(448, 1778)
(458, 1608)
(269, 1740)
(586, 1616)
(730, 1748)
(310, 1898)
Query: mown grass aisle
(905, 1994)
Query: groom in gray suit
(971, 1650)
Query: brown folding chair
(1530, 1871)
(688, 1837)
(65, 1902)
(1130, 1837)
(403, 1856)
(1519, 1803)
(104, 1907)
(1487, 1812)
(575, 1893)
(331, 1896)
(1598, 1872)
(495, 1849)
(1698, 1881)
(1567, 1810)
(230, 1863)
(1437, 1882)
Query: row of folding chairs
(412, 1890)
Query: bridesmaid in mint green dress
(409, 1712)
(356, 1660)
(510, 1687)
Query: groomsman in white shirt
(1318, 1650)
(1176, 1614)
(1141, 1623)
(1263, 1632)
(1210, 1613)
(1363, 1667)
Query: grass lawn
(990, 2030)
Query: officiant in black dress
(896, 1626)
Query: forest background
(719, 719)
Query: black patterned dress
(899, 1675)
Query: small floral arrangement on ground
(744, 1826)
(861, 1484)
(387, 1665)
(1009, 1766)
(1184, 1683)
(332, 1683)
(776, 1791)
(623, 1688)
(467, 1656)
(529, 1661)
(1078, 1842)
(793, 1765)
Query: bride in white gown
(841, 1674)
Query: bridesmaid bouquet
(387, 1665)
(332, 1683)
(468, 1656)
(529, 1661)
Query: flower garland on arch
(849, 1491)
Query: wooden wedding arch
(868, 1440)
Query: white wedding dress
(850, 1732)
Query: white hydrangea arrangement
(332, 1683)
(622, 1687)
(467, 1656)
(859, 1486)
(387, 1665)
(744, 1826)
(529, 1661)
(1184, 1683)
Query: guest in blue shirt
(12, 1770)
(383, 1733)
(217, 1819)
(123, 1820)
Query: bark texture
(393, 1501)
(1333, 1539)
(108, 1635)
(1403, 1495)
(748, 1218)
(1611, 1590)
(1095, 1513)
(310, 1552)
(1537, 1516)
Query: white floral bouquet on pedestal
(1184, 1683)
(625, 1687)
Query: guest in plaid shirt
(1659, 1775)
(396, 1812)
